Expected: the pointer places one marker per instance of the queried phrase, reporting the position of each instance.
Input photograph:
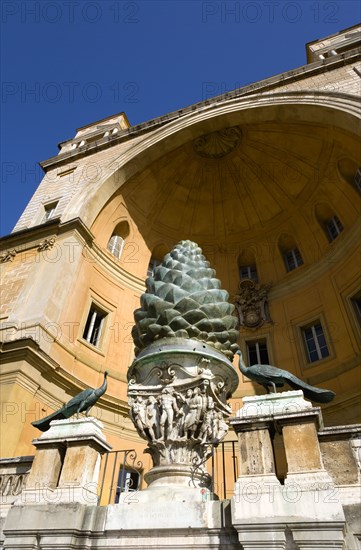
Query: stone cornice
(340, 432)
(30, 237)
(28, 350)
(20, 379)
(258, 88)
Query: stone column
(262, 507)
(67, 462)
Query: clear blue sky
(66, 63)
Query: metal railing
(224, 464)
(121, 471)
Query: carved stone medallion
(218, 144)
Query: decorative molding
(296, 279)
(218, 144)
(20, 379)
(251, 91)
(333, 372)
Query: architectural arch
(338, 110)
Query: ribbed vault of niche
(263, 180)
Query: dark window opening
(315, 342)
(257, 353)
(94, 325)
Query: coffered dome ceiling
(239, 181)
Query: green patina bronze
(184, 299)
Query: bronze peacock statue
(268, 376)
(84, 401)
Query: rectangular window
(333, 228)
(315, 342)
(257, 352)
(248, 272)
(293, 259)
(128, 480)
(94, 325)
(49, 211)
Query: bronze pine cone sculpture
(184, 299)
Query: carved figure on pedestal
(168, 405)
(193, 416)
(138, 414)
(152, 417)
(205, 433)
(221, 428)
(185, 335)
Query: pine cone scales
(184, 299)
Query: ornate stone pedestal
(178, 390)
(305, 510)
(66, 464)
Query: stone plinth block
(302, 436)
(164, 515)
(272, 404)
(46, 467)
(67, 463)
(256, 453)
(261, 506)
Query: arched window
(247, 267)
(328, 220)
(117, 240)
(291, 254)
